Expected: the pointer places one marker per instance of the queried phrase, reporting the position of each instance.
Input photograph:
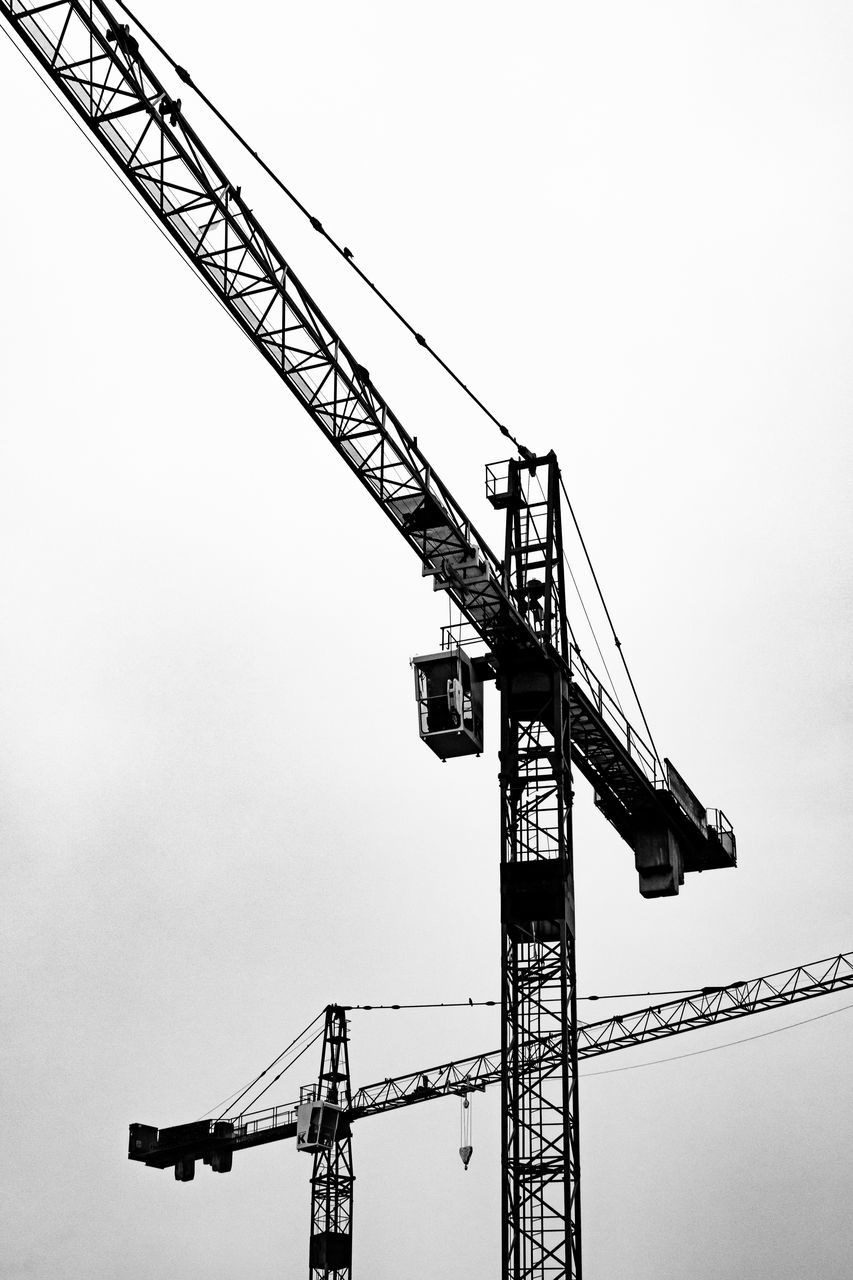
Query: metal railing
(460, 635)
(615, 719)
(253, 1122)
(497, 479)
(723, 830)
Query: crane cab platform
(317, 1125)
(450, 703)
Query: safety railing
(460, 635)
(615, 719)
(719, 824)
(497, 480)
(254, 1122)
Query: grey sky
(628, 226)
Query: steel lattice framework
(706, 1008)
(540, 1137)
(554, 710)
(332, 1177)
(96, 66)
(101, 72)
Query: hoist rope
(342, 250)
(465, 1119)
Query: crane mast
(539, 1117)
(554, 711)
(330, 1251)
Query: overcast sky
(629, 228)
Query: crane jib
(99, 69)
(148, 138)
(163, 1148)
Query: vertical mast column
(540, 1137)
(332, 1177)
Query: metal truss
(95, 64)
(332, 1179)
(719, 1004)
(706, 1008)
(540, 1148)
(516, 606)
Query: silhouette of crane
(555, 714)
(321, 1121)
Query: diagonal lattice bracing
(332, 1179)
(540, 1146)
(146, 134)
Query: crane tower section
(539, 1120)
(327, 1135)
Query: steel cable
(346, 254)
(342, 250)
(616, 640)
(278, 1059)
(276, 1078)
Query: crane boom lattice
(554, 711)
(707, 1008)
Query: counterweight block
(535, 899)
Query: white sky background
(629, 227)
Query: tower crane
(554, 712)
(321, 1122)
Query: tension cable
(443, 1004)
(342, 250)
(616, 640)
(490, 1004)
(346, 254)
(278, 1059)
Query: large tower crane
(554, 711)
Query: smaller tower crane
(321, 1121)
